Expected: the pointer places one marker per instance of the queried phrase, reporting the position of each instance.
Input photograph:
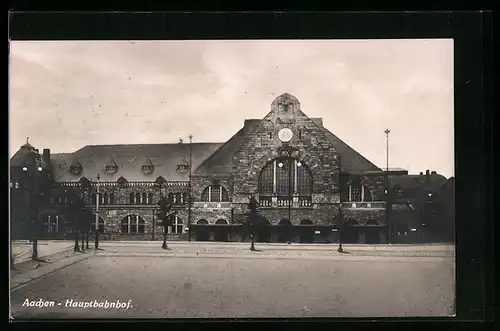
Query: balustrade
(285, 202)
(364, 204)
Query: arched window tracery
(285, 177)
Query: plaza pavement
(227, 280)
(47, 249)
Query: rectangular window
(131, 199)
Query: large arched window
(285, 177)
(215, 193)
(132, 224)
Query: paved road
(181, 287)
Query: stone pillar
(361, 236)
(274, 202)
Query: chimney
(427, 177)
(421, 173)
(46, 157)
(433, 173)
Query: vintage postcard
(232, 179)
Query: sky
(64, 95)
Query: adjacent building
(312, 187)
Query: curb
(49, 258)
(339, 257)
(23, 278)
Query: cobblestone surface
(176, 287)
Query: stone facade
(330, 202)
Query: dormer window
(147, 168)
(183, 166)
(111, 170)
(75, 168)
(111, 167)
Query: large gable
(220, 161)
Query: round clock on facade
(285, 135)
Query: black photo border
(471, 32)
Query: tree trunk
(34, 255)
(76, 248)
(164, 245)
(87, 239)
(96, 239)
(252, 246)
(83, 241)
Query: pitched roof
(130, 159)
(221, 161)
(350, 160)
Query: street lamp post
(387, 204)
(32, 183)
(84, 184)
(287, 152)
(97, 214)
(190, 186)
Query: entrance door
(221, 234)
(202, 233)
(349, 235)
(306, 234)
(264, 234)
(285, 233)
(373, 236)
